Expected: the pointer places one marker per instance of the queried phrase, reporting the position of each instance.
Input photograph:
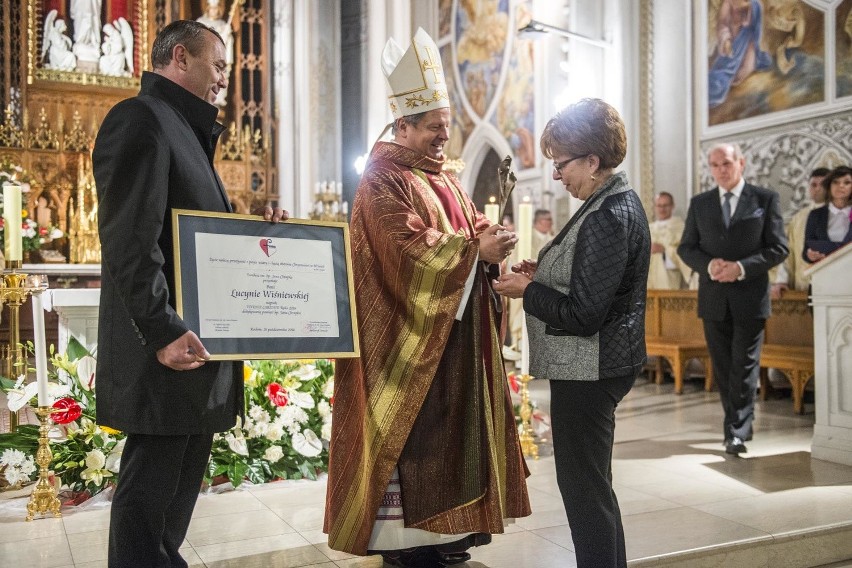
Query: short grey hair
(738, 152)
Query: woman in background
(828, 228)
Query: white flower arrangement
(19, 467)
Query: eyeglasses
(559, 165)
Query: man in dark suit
(153, 153)
(733, 235)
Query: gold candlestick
(330, 204)
(14, 292)
(43, 498)
(527, 438)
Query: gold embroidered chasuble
(428, 394)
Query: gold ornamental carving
(44, 137)
(83, 241)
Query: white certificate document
(259, 287)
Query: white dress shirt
(735, 192)
(838, 222)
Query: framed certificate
(252, 289)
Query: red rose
(42, 231)
(276, 394)
(513, 383)
(69, 411)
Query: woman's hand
(512, 285)
(814, 255)
(526, 267)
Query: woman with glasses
(585, 304)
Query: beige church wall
(665, 96)
(791, 112)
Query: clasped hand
(513, 285)
(724, 270)
(496, 243)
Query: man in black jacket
(733, 235)
(153, 153)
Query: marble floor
(684, 503)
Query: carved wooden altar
(50, 116)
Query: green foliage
(278, 441)
(283, 434)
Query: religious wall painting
(763, 56)
(843, 48)
(88, 42)
(482, 30)
(462, 124)
(515, 115)
(445, 13)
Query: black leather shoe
(735, 446)
(420, 557)
(450, 558)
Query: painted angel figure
(117, 49)
(57, 45)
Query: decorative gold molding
(77, 140)
(10, 135)
(44, 137)
(34, 72)
(646, 104)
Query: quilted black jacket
(590, 288)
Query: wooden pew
(789, 345)
(673, 331)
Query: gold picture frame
(37, 73)
(278, 300)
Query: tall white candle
(40, 349)
(525, 347)
(492, 211)
(346, 208)
(525, 223)
(12, 222)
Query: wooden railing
(674, 331)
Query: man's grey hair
(187, 33)
(738, 152)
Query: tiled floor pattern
(678, 491)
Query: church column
(285, 105)
(307, 93)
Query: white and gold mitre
(416, 77)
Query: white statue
(213, 17)
(57, 45)
(117, 49)
(87, 29)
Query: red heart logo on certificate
(267, 247)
